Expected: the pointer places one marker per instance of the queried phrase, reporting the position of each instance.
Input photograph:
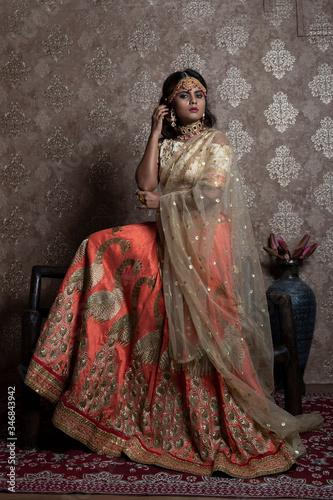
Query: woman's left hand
(149, 200)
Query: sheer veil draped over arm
(212, 280)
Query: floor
(74, 496)
(78, 496)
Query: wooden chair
(32, 322)
(33, 318)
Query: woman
(179, 377)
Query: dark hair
(169, 85)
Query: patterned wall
(78, 82)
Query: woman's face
(189, 105)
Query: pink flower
(281, 250)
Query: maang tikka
(188, 83)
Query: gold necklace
(188, 131)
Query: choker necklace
(190, 130)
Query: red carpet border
(78, 471)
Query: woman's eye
(183, 96)
(199, 96)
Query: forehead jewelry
(187, 83)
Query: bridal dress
(158, 344)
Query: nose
(193, 99)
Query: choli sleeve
(217, 167)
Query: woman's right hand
(157, 119)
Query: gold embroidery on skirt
(80, 253)
(87, 432)
(86, 278)
(104, 305)
(280, 462)
(43, 382)
(200, 366)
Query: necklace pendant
(188, 131)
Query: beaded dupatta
(213, 287)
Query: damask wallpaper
(78, 83)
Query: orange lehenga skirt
(103, 358)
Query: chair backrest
(37, 273)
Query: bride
(158, 344)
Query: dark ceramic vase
(303, 303)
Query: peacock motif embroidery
(104, 305)
(85, 279)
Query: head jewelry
(187, 83)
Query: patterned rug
(80, 471)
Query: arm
(146, 174)
(214, 176)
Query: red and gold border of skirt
(281, 461)
(100, 440)
(43, 381)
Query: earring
(203, 118)
(173, 118)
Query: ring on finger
(142, 199)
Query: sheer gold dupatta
(213, 288)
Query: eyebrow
(188, 91)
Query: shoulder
(162, 142)
(219, 138)
(220, 148)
